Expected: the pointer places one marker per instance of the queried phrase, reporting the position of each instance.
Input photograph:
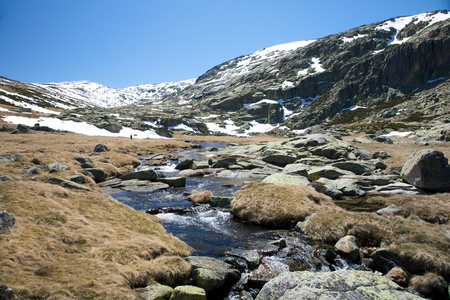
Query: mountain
(393, 74)
(72, 94)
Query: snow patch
(316, 67)
(398, 134)
(29, 106)
(353, 107)
(351, 39)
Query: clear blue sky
(121, 43)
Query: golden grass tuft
(201, 197)
(277, 206)
(431, 286)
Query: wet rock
(188, 292)
(252, 257)
(391, 209)
(197, 165)
(348, 284)
(348, 247)
(221, 201)
(184, 165)
(36, 161)
(157, 292)
(427, 169)
(269, 268)
(141, 175)
(57, 167)
(331, 151)
(384, 260)
(32, 171)
(6, 221)
(285, 179)
(211, 273)
(174, 181)
(100, 148)
(357, 167)
(98, 174)
(115, 182)
(67, 184)
(399, 276)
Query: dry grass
(420, 245)
(277, 206)
(201, 197)
(70, 244)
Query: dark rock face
(427, 169)
(100, 148)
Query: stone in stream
(211, 273)
(135, 185)
(252, 257)
(173, 181)
(285, 179)
(141, 175)
(345, 284)
(348, 247)
(269, 268)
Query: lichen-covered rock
(349, 284)
(210, 273)
(188, 292)
(285, 179)
(174, 181)
(427, 169)
(357, 167)
(67, 184)
(141, 175)
(278, 157)
(57, 167)
(31, 171)
(157, 292)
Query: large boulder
(278, 157)
(188, 292)
(346, 284)
(211, 273)
(348, 247)
(141, 175)
(427, 169)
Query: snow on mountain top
(399, 23)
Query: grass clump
(277, 206)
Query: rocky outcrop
(348, 284)
(427, 169)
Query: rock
(377, 179)
(57, 167)
(6, 221)
(36, 161)
(6, 293)
(67, 184)
(157, 292)
(331, 151)
(174, 181)
(399, 276)
(184, 165)
(12, 157)
(23, 128)
(285, 179)
(381, 154)
(100, 148)
(77, 178)
(384, 260)
(5, 178)
(32, 171)
(278, 157)
(269, 268)
(211, 273)
(345, 284)
(379, 164)
(98, 174)
(398, 188)
(197, 165)
(252, 257)
(141, 186)
(188, 292)
(221, 201)
(391, 209)
(329, 172)
(427, 169)
(357, 167)
(347, 246)
(296, 169)
(348, 187)
(192, 173)
(141, 175)
(224, 163)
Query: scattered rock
(36, 161)
(140, 186)
(391, 209)
(431, 286)
(278, 157)
(221, 201)
(77, 179)
(201, 197)
(285, 179)
(398, 188)
(23, 128)
(188, 292)
(297, 169)
(67, 184)
(141, 175)
(57, 167)
(381, 154)
(157, 291)
(184, 165)
(98, 174)
(174, 181)
(12, 157)
(399, 276)
(32, 171)
(252, 257)
(427, 169)
(348, 247)
(6, 221)
(269, 268)
(100, 148)
(5, 178)
(6, 293)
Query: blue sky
(121, 43)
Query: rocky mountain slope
(389, 75)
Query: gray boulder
(6, 221)
(285, 179)
(141, 175)
(427, 169)
(346, 284)
(188, 292)
(135, 185)
(269, 268)
(174, 181)
(67, 184)
(211, 273)
(348, 247)
(98, 174)
(329, 172)
(32, 171)
(57, 167)
(347, 186)
(252, 257)
(157, 291)
(297, 169)
(100, 148)
(278, 157)
(357, 167)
